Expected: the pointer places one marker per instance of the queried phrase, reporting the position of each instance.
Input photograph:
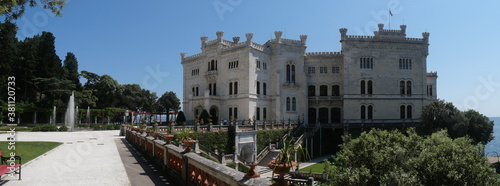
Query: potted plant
(185, 137)
(285, 160)
(168, 138)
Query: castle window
(370, 112)
(197, 92)
(363, 87)
(195, 72)
(258, 87)
(402, 87)
(288, 73)
(209, 89)
(264, 113)
(287, 103)
(233, 64)
(366, 63)
(409, 111)
(264, 89)
(323, 70)
(408, 87)
(230, 88)
(235, 88)
(311, 70)
(370, 87)
(294, 104)
(257, 63)
(235, 112)
(194, 94)
(402, 111)
(323, 90)
(258, 113)
(429, 90)
(335, 90)
(363, 112)
(405, 64)
(214, 89)
(230, 112)
(335, 70)
(264, 65)
(311, 90)
(292, 80)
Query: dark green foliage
(497, 167)
(264, 137)
(392, 158)
(44, 127)
(204, 116)
(440, 115)
(63, 128)
(17, 128)
(169, 101)
(214, 139)
(71, 69)
(14, 9)
(181, 118)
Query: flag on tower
(390, 13)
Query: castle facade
(373, 79)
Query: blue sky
(139, 42)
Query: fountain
(88, 115)
(54, 116)
(70, 113)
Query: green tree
(169, 101)
(8, 54)
(383, 157)
(107, 89)
(181, 118)
(439, 115)
(14, 9)
(49, 64)
(204, 116)
(480, 128)
(71, 69)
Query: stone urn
(187, 144)
(281, 169)
(168, 138)
(252, 173)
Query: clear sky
(140, 41)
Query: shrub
(45, 127)
(63, 128)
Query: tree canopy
(383, 157)
(14, 9)
(440, 115)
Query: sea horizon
(493, 147)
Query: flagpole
(390, 18)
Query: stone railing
(188, 168)
(242, 125)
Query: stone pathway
(85, 158)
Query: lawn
(316, 168)
(28, 150)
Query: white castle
(373, 80)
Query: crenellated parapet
(190, 58)
(323, 54)
(432, 74)
(385, 35)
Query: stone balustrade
(188, 168)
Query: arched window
(363, 112)
(264, 112)
(209, 89)
(235, 87)
(230, 88)
(264, 89)
(363, 86)
(288, 73)
(294, 104)
(258, 87)
(258, 113)
(323, 90)
(408, 87)
(335, 90)
(235, 112)
(402, 87)
(311, 90)
(214, 89)
(370, 112)
(409, 111)
(370, 87)
(293, 74)
(230, 112)
(402, 112)
(287, 103)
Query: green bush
(18, 128)
(44, 127)
(63, 128)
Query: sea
(493, 147)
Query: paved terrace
(85, 158)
